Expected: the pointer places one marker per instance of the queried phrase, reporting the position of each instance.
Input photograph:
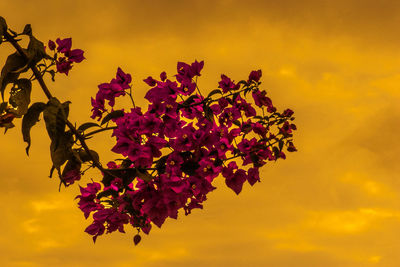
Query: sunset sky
(334, 203)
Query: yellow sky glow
(334, 203)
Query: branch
(48, 94)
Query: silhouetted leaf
(136, 239)
(144, 175)
(280, 145)
(190, 167)
(112, 115)
(73, 163)
(189, 101)
(85, 157)
(276, 151)
(160, 166)
(55, 118)
(3, 27)
(20, 96)
(110, 174)
(27, 30)
(3, 107)
(62, 151)
(29, 120)
(236, 122)
(87, 125)
(106, 193)
(15, 64)
(235, 95)
(213, 92)
(52, 73)
(36, 51)
(208, 112)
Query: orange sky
(336, 202)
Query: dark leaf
(55, 119)
(246, 128)
(280, 145)
(112, 115)
(85, 157)
(126, 163)
(190, 167)
(236, 122)
(52, 73)
(87, 125)
(29, 120)
(160, 166)
(276, 151)
(136, 239)
(127, 175)
(213, 92)
(189, 100)
(36, 51)
(208, 112)
(27, 30)
(3, 107)
(144, 175)
(62, 151)
(20, 96)
(73, 163)
(3, 27)
(106, 193)
(235, 95)
(15, 64)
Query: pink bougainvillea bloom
(75, 55)
(253, 176)
(87, 198)
(150, 81)
(291, 147)
(288, 113)
(235, 182)
(254, 76)
(64, 45)
(261, 100)
(98, 108)
(51, 45)
(63, 65)
(196, 68)
(226, 84)
(71, 176)
(123, 79)
(95, 229)
(163, 76)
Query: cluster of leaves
(55, 113)
(170, 153)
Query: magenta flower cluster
(109, 91)
(172, 151)
(68, 55)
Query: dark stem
(100, 130)
(46, 91)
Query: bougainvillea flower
(64, 45)
(254, 76)
(75, 55)
(71, 176)
(51, 45)
(163, 76)
(226, 84)
(236, 181)
(63, 65)
(150, 81)
(253, 176)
